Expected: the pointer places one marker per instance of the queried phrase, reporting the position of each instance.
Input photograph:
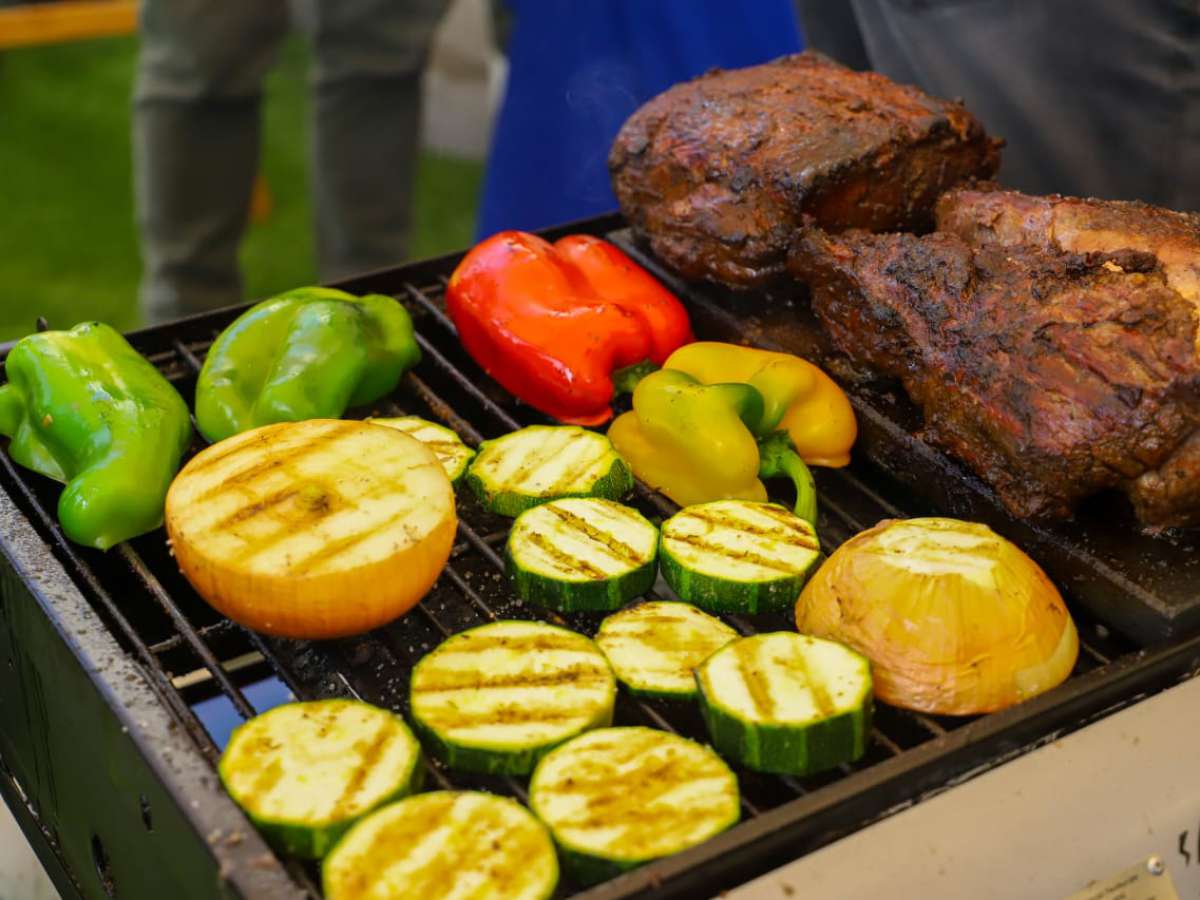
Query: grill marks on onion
(319, 480)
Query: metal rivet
(1155, 865)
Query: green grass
(68, 246)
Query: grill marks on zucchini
(654, 647)
(581, 554)
(304, 772)
(542, 462)
(496, 698)
(618, 797)
(444, 844)
(445, 443)
(738, 555)
(787, 703)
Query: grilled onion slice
(312, 529)
(954, 618)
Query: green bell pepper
(308, 354)
(84, 408)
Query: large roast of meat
(1053, 375)
(718, 172)
(993, 216)
(1050, 341)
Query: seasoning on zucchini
(445, 443)
(444, 844)
(786, 703)
(619, 797)
(496, 698)
(655, 647)
(305, 772)
(544, 462)
(582, 553)
(738, 555)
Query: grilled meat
(1169, 494)
(1053, 375)
(992, 216)
(717, 172)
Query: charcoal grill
(107, 658)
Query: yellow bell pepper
(798, 397)
(691, 441)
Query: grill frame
(162, 751)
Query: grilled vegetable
(786, 703)
(619, 797)
(696, 442)
(654, 647)
(691, 441)
(84, 408)
(305, 772)
(544, 462)
(444, 844)
(308, 354)
(582, 553)
(738, 556)
(314, 529)
(954, 618)
(497, 697)
(445, 443)
(553, 322)
(799, 398)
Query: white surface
(1043, 826)
(21, 875)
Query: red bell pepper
(553, 322)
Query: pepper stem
(777, 458)
(626, 379)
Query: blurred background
(68, 241)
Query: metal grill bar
(190, 636)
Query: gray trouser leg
(196, 144)
(368, 57)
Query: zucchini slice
(655, 647)
(582, 553)
(619, 797)
(544, 462)
(305, 772)
(787, 703)
(738, 556)
(445, 443)
(496, 698)
(444, 844)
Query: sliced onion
(954, 618)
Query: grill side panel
(122, 799)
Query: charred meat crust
(716, 173)
(1053, 375)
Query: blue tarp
(579, 68)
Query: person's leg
(196, 145)
(368, 58)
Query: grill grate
(192, 655)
